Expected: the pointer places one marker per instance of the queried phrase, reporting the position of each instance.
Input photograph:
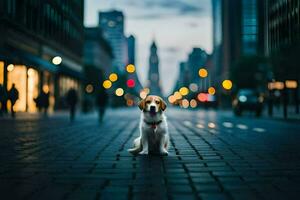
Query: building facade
(97, 51)
(238, 30)
(112, 25)
(153, 74)
(32, 34)
(283, 31)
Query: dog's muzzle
(152, 110)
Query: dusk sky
(176, 25)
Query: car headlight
(242, 98)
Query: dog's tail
(137, 146)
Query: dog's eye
(148, 101)
(157, 102)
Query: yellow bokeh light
(185, 103)
(107, 84)
(227, 84)
(119, 92)
(130, 68)
(172, 99)
(193, 103)
(184, 91)
(113, 77)
(203, 73)
(177, 95)
(211, 91)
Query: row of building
(45, 46)
(253, 28)
(247, 28)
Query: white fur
(154, 140)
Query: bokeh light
(89, 88)
(113, 77)
(129, 102)
(193, 103)
(177, 95)
(143, 94)
(172, 99)
(203, 73)
(184, 91)
(10, 67)
(130, 68)
(211, 90)
(56, 60)
(119, 92)
(107, 84)
(193, 87)
(185, 103)
(130, 83)
(202, 97)
(227, 84)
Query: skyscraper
(112, 25)
(238, 31)
(131, 49)
(153, 75)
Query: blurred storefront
(32, 34)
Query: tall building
(283, 33)
(238, 31)
(196, 60)
(283, 23)
(112, 25)
(34, 35)
(217, 40)
(131, 49)
(97, 51)
(153, 75)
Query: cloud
(153, 9)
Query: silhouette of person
(3, 99)
(72, 99)
(42, 101)
(101, 100)
(13, 96)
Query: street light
(56, 60)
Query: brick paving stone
(54, 159)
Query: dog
(154, 135)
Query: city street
(213, 155)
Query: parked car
(248, 100)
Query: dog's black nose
(152, 108)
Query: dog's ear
(142, 104)
(163, 104)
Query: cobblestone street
(213, 155)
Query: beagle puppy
(154, 135)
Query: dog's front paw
(164, 152)
(143, 153)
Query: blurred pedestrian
(3, 99)
(42, 102)
(72, 99)
(101, 100)
(13, 96)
